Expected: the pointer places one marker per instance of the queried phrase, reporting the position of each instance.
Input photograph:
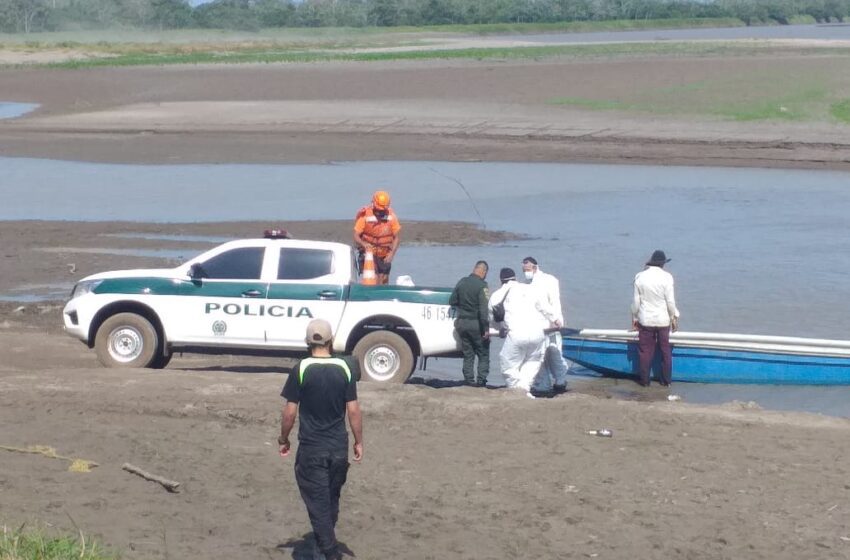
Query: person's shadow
(305, 548)
(435, 383)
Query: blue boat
(717, 358)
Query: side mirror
(196, 272)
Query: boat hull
(711, 365)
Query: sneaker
(530, 395)
(542, 394)
(470, 383)
(559, 389)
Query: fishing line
(466, 192)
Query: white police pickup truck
(257, 296)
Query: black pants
(320, 477)
(381, 266)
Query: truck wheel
(384, 356)
(126, 340)
(161, 361)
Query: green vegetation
(27, 16)
(193, 54)
(798, 105)
(596, 104)
(112, 40)
(801, 20)
(841, 110)
(113, 37)
(37, 545)
(575, 26)
(753, 96)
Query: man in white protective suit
(526, 316)
(553, 374)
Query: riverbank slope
(663, 109)
(456, 472)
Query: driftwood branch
(170, 485)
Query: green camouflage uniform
(471, 297)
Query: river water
(10, 110)
(754, 251)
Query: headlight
(84, 287)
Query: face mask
(529, 274)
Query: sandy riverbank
(449, 473)
(427, 110)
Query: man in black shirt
(320, 390)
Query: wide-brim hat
(658, 258)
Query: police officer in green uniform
(472, 324)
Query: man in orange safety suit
(376, 229)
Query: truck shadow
(240, 369)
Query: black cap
(507, 274)
(531, 260)
(658, 258)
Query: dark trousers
(381, 266)
(320, 477)
(648, 339)
(473, 345)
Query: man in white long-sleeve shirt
(526, 317)
(654, 314)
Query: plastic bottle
(604, 432)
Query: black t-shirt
(322, 387)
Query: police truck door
(223, 300)
(309, 285)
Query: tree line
(27, 16)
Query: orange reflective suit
(376, 232)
